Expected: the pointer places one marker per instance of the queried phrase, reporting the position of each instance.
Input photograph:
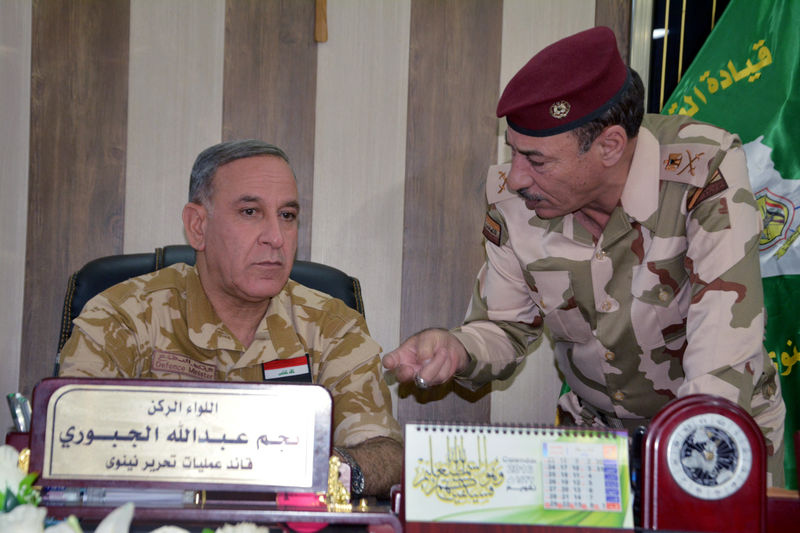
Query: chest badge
(295, 369)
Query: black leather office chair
(100, 274)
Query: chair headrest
(99, 274)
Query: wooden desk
(783, 507)
(783, 510)
(374, 520)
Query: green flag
(746, 79)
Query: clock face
(709, 456)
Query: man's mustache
(525, 194)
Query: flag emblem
(778, 214)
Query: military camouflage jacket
(667, 303)
(162, 326)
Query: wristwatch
(356, 476)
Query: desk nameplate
(194, 434)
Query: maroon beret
(566, 85)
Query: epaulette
(687, 163)
(690, 163)
(496, 191)
(496, 187)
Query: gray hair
(201, 181)
(628, 113)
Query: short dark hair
(628, 113)
(201, 181)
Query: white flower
(118, 520)
(70, 525)
(61, 527)
(10, 474)
(169, 529)
(242, 527)
(23, 519)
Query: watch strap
(356, 476)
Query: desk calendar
(517, 475)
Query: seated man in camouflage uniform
(237, 310)
(632, 238)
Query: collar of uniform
(640, 195)
(206, 329)
(567, 226)
(618, 226)
(276, 337)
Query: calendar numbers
(581, 476)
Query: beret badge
(560, 109)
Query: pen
(113, 496)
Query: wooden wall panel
(616, 14)
(454, 63)
(269, 85)
(360, 152)
(77, 159)
(174, 111)
(15, 71)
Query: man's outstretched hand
(429, 357)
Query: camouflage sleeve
(101, 338)
(502, 320)
(351, 370)
(725, 355)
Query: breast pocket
(661, 297)
(553, 294)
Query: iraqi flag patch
(296, 369)
(492, 230)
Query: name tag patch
(181, 364)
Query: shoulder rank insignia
(715, 186)
(492, 230)
(687, 163)
(496, 186)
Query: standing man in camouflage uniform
(635, 242)
(235, 314)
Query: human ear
(194, 224)
(612, 142)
